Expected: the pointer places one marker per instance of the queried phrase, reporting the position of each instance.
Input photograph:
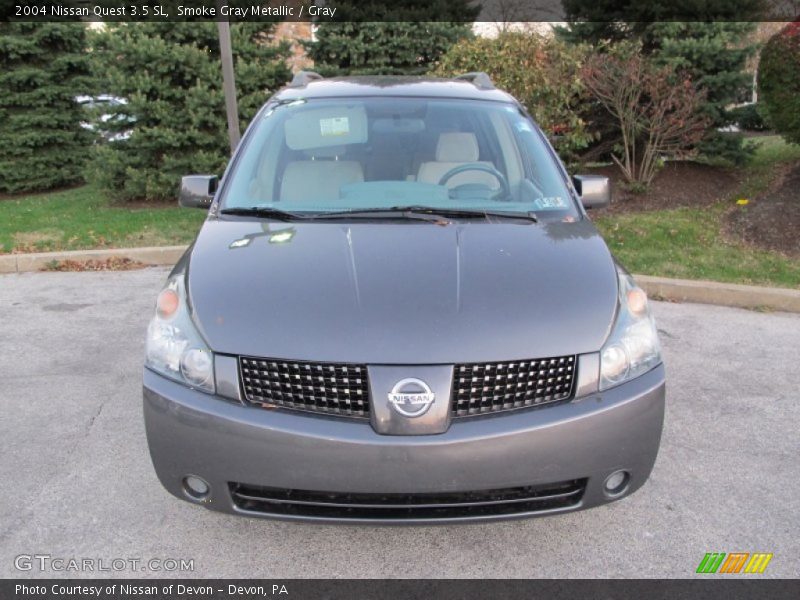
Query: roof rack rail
(303, 78)
(477, 78)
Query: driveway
(77, 478)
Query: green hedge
(402, 37)
(389, 48)
(42, 67)
(171, 76)
(779, 82)
(748, 118)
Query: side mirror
(594, 190)
(197, 191)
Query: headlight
(174, 347)
(632, 349)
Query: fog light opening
(616, 483)
(196, 487)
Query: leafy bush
(779, 82)
(748, 118)
(657, 110)
(680, 35)
(171, 76)
(42, 67)
(542, 73)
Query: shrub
(382, 48)
(685, 37)
(402, 37)
(748, 118)
(542, 73)
(171, 76)
(779, 82)
(42, 67)
(657, 110)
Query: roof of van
(420, 87)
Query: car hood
(402, 293)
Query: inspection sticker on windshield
(552, 202)
(334, 126)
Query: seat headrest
(457, 147)
(329, 152)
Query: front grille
(399, 507)
(343, 389)
(332, 388)
(492, 387)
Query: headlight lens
(174, 348)
(197, 367)
(632, 349)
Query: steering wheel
(503, 192)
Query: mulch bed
(678, 184)
(771, 221)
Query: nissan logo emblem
(411, 397)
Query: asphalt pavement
(78, 483)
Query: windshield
(362, 154)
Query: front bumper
(227, 443)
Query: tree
(657, 119)
(779, 82)
(714, 55)
(597, 21)
(704, 40)
(170, 75)
(543, 73)
(43, 66)
(401, 38)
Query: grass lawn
(689, 242)
(82, 218)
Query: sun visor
(330, 126)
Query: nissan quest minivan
(398, 311)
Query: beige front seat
(453, 150)
(318, 181)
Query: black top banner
(493, 11)
(436, 589)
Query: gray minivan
(397, 311)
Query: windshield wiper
(282, 215)
(265, 212)
(424, 213)
(428, 213)
(397, 212)
(469, 213)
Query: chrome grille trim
(412, 507)
(330, 388)
(482, 388)
(343, 388)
